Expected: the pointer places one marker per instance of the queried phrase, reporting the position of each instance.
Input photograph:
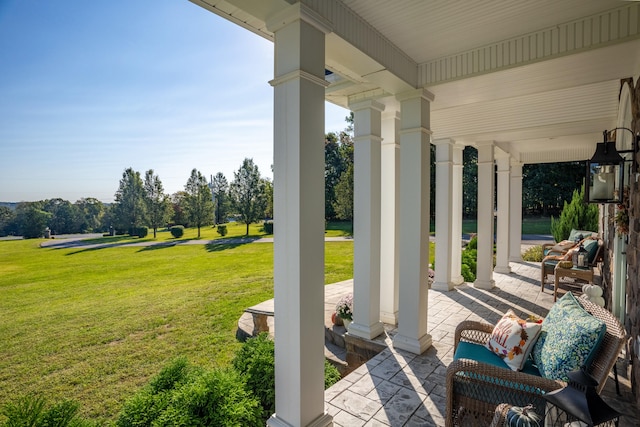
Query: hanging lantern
(605, 174)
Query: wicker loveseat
(475, 388)
(553, 250)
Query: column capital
(416, 93)
(298, 74)
(443, 141)
(298, 12)
(366, 104)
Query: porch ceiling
(541, 78)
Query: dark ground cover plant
(34, 411)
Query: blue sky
(88, 89)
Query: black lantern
(605, 174)
(581, 257)
(605, 170)
(579, 401)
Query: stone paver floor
(397, 388)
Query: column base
(325, 420)
(484, 284)
(442, 286)
(415, 346)
(515, 259)
(457, 280)
(502, 269)
(368, 332)
(389, 318)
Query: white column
(515, 212)
(390, 183)
(444, 214)
(366, 220)
(456, 249)
(414, 221)
(299, 212)
(503, 222)
(484, 270)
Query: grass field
(92, 325)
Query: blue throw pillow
(568, 340)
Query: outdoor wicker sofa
(475, 389)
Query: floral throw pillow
(512, 339)
(569, 337)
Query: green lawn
(92, 325)
(538, 225)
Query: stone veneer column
(445, 196)
(389, 198)
(366, 220)
(502, 233)
(484, 271)
(515, 212)
(414, 221)
(299, 89)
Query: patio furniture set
(517, 361)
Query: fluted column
(503, 222)
(389, 218)
(299, 87)
(484, 269)
(515, 212)
(366, 220)
(444, 214)
(414, 221)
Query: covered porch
(522, 82)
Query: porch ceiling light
(605, 171)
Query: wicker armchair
(475, 389)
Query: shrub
(268, 227)
(141, 232)
(576, 214)
(467, 274)
(177, 231)
(31, 410)
(255, 361)
(182, 395)
(331, 374)
(533, 254)
(222, 230)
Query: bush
(467, 274)
(577, 214)
(182, 395)
(533, 254)
(268, 227)
(255, 361)
(141, 232)
(331, 374)
(177, 231)
(31, 410)
(222, 230)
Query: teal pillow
(591, 246)
(568, 340)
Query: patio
(398, 388)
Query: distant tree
(198, 201)
(129, 210)
(338, 155)
(247, 193)
(470, 182)
(32, 219)
(547, 186)
(344, 196)
(91, 212)
(267, 185)
(7, 220)
(64, 216)
(179, 214)
(157, 203)
(220, 191)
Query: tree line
(142, 203)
